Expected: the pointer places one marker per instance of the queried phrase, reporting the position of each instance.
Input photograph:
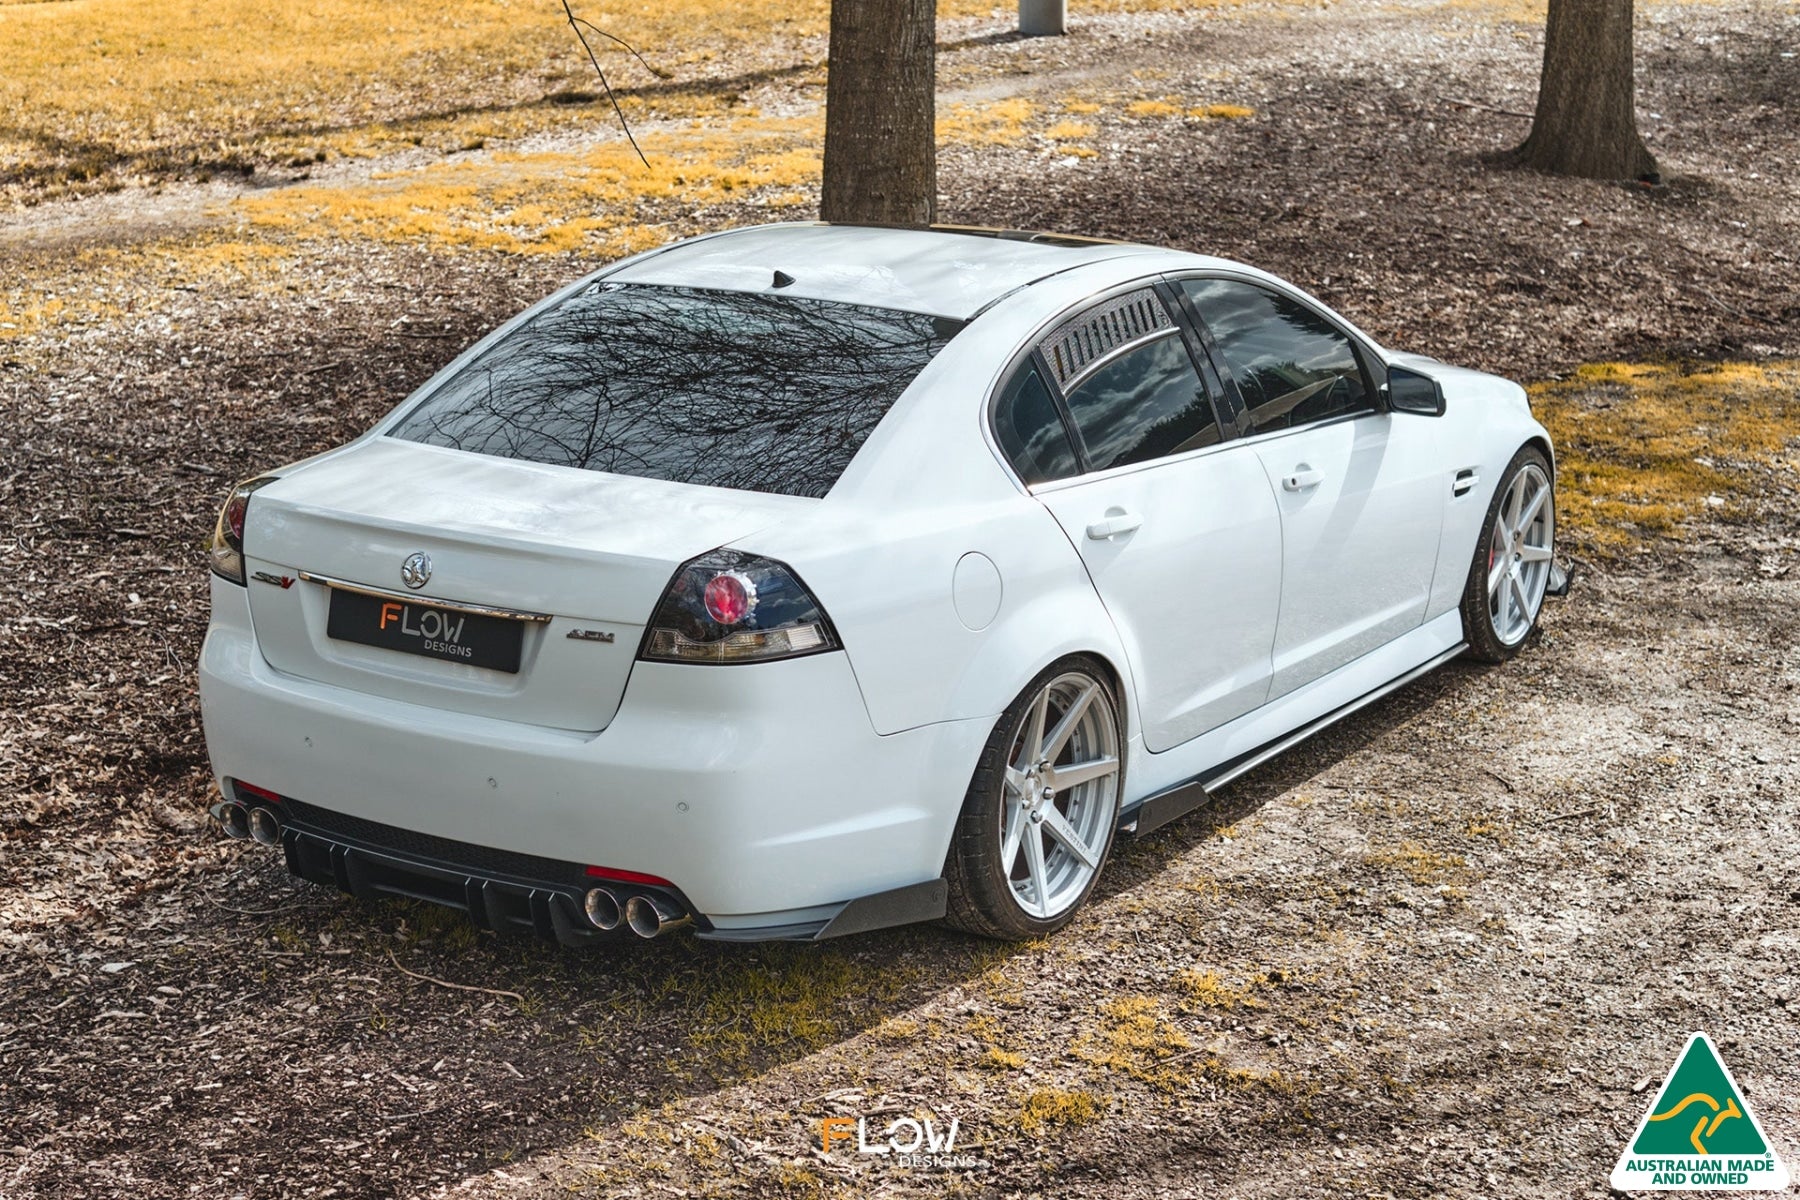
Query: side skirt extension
(1173, 802)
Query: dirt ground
(1447, 948)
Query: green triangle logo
(1700, 1133)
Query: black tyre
(1038, 820)
(1510, 574)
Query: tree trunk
(880, 113)
(1586, 122)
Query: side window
(1146, 403)
(1030, 431)
(1292, 365)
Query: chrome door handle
(1304, 477)
(1116, 522)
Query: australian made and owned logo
(1700, 1134)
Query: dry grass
(1423, 866)
(1642, 448)
(102, 84)
(1207, 990)
(594, 200)
(1053, 1108)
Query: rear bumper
(762, 792)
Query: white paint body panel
(594, 551)
(1194, 591)
(776, 792)
(1359, 547)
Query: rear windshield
(762, 392)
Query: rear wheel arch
(986, 864)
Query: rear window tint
(746, 390)
(1031, 432)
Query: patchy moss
(791, 998)
(996, 1059)
(1153, 108)
(1206, 990)
(1053, 1108)
(1134, 1038)
(1642, 448)
(1424, 867)
(1221, 112)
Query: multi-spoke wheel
(1511, 571)
(1038, 820)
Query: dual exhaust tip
(239, 820)
(646, 916)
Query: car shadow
(1135, 862)
(469, 1048)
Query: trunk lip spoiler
(462, 606)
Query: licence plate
(415, 627)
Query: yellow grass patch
(995, 123)
(1642, 448)
(1048, 1108)
(1424, 867)
(996, 1059)
(1221, 112)
(1208, 990)
(591, 200)
(133, 75)
(1153, 108)
(1136, 1039)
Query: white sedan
(802, 580)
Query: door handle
(1304, 477)
(1116, 522)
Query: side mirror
(1409, 391)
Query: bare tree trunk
(880, 113)
(1586, 123)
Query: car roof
(944, 270)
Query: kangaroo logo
(1709, 1123)
(1700, 1133)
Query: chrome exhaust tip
(265, 826)
(650, 917)
(232, 817)
(602, 908)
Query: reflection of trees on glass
(1031, 431)
(1146, 403)
(731, 389)
(1291, 365)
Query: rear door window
(1145, 403)
(746, 390)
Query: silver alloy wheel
(1519, 555)
(1062, 795)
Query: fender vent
(1080, 346)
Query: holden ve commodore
(808, 579)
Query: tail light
(226, 550)
(732, 607)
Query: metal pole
(1043, 18)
